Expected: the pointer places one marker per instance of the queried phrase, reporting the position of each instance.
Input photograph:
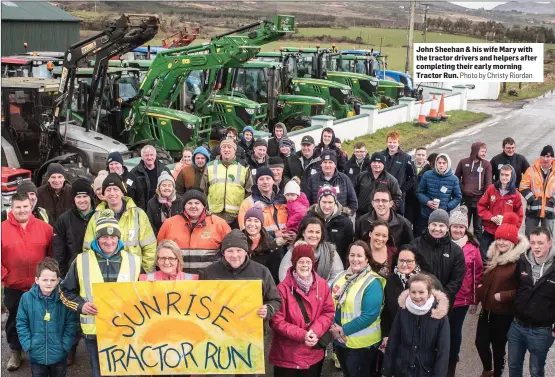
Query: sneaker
(335, 361)
(15, 360)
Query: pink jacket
(474, 271)
(288, 349)
(296, 211)
(159, 275)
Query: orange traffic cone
(433, 110)
(441, 110)
(422, 122)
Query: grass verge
(412, 137)
(529, 90)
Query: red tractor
(185, 38)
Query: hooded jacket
(467, 295)
(47, 342)
(247, 146)
(273, 144)
(288, 349)
(499, 277)
(54, 204)
(144, 182)
(492, 203)
(346, 195)
(190, 176)
(296, 211)
(274, 209)
(365, 184)
(154, 211)
(400, 227)
(339, 228)
(321, 147)
(517, 161)
(353, 168)
(534, 303)
(444, 259)
(435, 185)
(400, 166)
(295, 167)
(69, 234)
(474, 176)
(22, 251)
(538, 192)
(418, 345)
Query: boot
(451, 369)
(15, 360)
(71, 356)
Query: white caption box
(487, 62)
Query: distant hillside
(529, 8)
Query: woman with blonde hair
(169, 261)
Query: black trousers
(474, 218)
(11, 300)
(491, 339)
(313, 371)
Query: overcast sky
(479, 4)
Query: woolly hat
(82, 186)
(327, 190)
(165, 176)
(260, 143)
(114, 157)
(547, 151)
(285, 142)
(292, 187)
(235, 238)
(300, 251)
(459, 216)
(55, 168)
(439, 216)
(261, 172)
(107, 225)
(97, 184)
(27, 187)
(229, 142)
(194, 194)
(255, 212)
(113, 179)
(329, 155)
(275, 162)
(508, 230)
(378, 156)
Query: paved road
(530, 123)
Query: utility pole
(426, 7)
(411, 34)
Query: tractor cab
(29, 66)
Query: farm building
(43, 26)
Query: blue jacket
(47, 342)
(444, 187)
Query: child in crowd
(297, 204)
(46, 327)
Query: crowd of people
(378, 257)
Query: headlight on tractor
(189, 126)
(250, 111)
(344, 91)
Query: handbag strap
(301, 305)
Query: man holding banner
(104, 262)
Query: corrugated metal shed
(43, 26)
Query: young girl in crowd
(297, 204)
(418, 343)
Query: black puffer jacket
(142, 176)
(400, 228)
(418, 345)
(365, 184)
(268, 255)
(294, 168)
(400, 166)
(353, 168)
(154, 211)
(69, 233)
(445, 260)
(346, 195)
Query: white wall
(476, 90)
(391, 116)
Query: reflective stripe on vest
(86, 278)
(226, 190)
(352, 308)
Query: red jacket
(288, 349)
(22, 250)
(474, 270)
(493, 204)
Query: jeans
(534, 222)
(54, 370)
(356, 362)
(491, 340)
(11, 300)
(313, 371)
(485, 243)
(537, 340)
(456, 321)
(92, 349)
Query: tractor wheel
(357, 103)
(297, 124)
(388, 101)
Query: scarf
(461, 241)
(350, 279)
(405, 277)
(303, 284)
(419, 310)
(324, 256)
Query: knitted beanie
(113, 179)
(229, 142)
(275, 162)
(194, 194)
(235, 238)
(508, 230)
(329, 155)
(547, 151)
(114, 157)
(82, 186)
(256, 212)
(107, 225)
(27, 187)
(261, 172)
(292, 187)
(55, 168)
(378, 156)
(439, 216)
(459, 216)
(260, 143)
(97, 184)
(301, 251)
(165, 176)
(327, 190)
(285, 142)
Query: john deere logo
(110, 231)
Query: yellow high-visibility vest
(226, 188)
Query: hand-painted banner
(179, 327)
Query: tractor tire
(297, 124)
(385, 102)
(357, 103)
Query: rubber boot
(71, 356)
(15, 360)
(451, 369)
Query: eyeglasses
(167, 259)
(381, 201)
(408, 262)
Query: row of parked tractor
(113, 91)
